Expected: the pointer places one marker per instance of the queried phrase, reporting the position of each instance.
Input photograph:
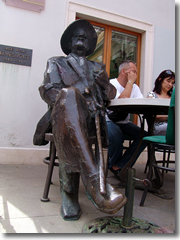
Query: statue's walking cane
(102, 178)
(80, 71)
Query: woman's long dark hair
(164, 74)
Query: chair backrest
(170, 133)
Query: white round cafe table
(146, 108)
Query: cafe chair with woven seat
(164, 143)
(166, 157)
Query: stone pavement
(21, 211)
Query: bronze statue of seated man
(77, 92)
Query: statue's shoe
(110, 203)
(70, 209)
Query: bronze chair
(52, 160)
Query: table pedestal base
(114, 224)
(157, 192)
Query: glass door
(98, 53)
(123, 47)
(115, 45)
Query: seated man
(77, 92)
(120, 124)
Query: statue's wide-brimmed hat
(70, 30)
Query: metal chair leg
(168, 159)
(50, 171)
(147, 163)
(151, 158)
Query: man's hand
(132, 76)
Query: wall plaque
(32, 5)
(15, 55)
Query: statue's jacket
(65, 72)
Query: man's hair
(125, 64)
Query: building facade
(141, 30)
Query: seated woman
(162, 89)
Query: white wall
(159, 12)
(20, 102)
